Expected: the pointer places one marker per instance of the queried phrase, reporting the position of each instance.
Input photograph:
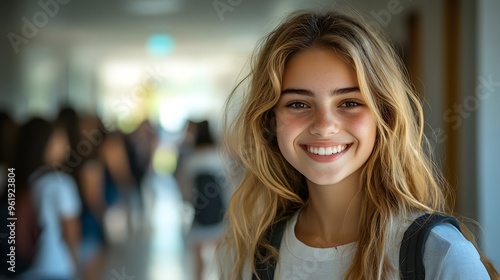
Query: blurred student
(90, 179)
(8, 134)
(140, 145)
(185, 146)
(42, 150)
(8, 130)
(202, 183)
(119, 185)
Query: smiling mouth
(326, 151)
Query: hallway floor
(157, 248)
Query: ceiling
(197, 26)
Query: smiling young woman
(327, 133)
(330, 143)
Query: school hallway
(157, 250)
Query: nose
(325, 123)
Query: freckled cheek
(287, 129)
(364, 127)
(281, 124)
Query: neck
(331, 217)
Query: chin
(325, 181)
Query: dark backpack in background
(207, 199)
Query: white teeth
(326, 151)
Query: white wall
(488, 65)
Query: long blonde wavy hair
(397, 181)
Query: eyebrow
(338, 91)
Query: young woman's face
(323, 126)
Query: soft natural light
(121, 73)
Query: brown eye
(350, 104)
(297, 105)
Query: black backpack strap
(265, 271)
(413, 245)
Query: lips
(326, 151)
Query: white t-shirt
(56, 198)
(448, 255)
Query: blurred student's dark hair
(30, 152)
(203, 135)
